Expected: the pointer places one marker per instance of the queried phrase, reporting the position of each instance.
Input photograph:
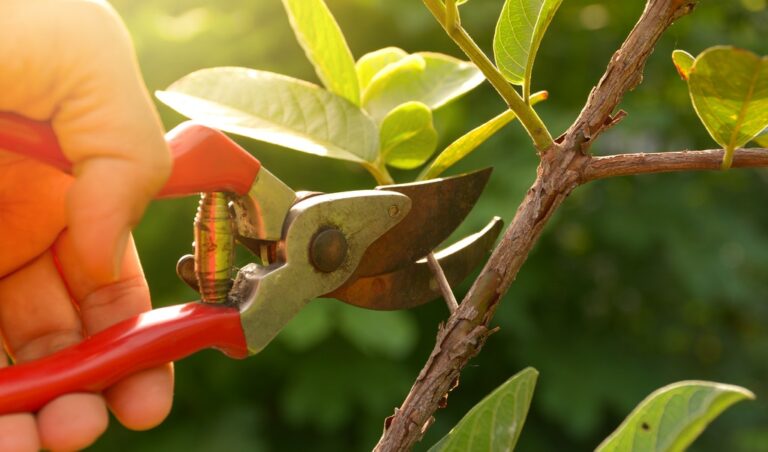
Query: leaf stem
(379, 172)
(452, 17)
(533, 124)
(727, 158)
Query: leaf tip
(683, 62)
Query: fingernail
(120, 245)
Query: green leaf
(762, 139)
(392, 333)
(276, 109)
(671, 418)
(683, 62)
(729, 90)
(325, 46)
(519, 32)
(495, 423)
(471, 140)
(430, 78)
(408, 137)
(371, 63)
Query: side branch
(665, 162)
(624, 72)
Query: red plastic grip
(145, 341)
(204, 159)
(32, 138)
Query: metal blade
(438, 206)
(414, 284)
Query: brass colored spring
(214, 247)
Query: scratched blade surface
(414, 284)
(438, 206)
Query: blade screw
(394, 211)
(328, 250)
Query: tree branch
(665, 162)
(559, 172)
(624, 72)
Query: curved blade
(438, 206)
(414, 284)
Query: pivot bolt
(328, 250)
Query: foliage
(397, 90)
(671, 418)
(636, 283)
(495, 423)
(519, 32)
(729, 89)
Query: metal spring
(214, 247)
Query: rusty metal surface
(438, 206)
(414, 284)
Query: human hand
(67, 239)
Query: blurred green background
(636, 283)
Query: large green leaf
(495, 423)
(729, 90)
(471, 140)
(519, 32)
(325, 46)
(683, 62)
(671, 418)
(371, 63)
(430, 78)
(408, 137)
(276, 109)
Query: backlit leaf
(762, 139)
(495, 423)
(276, 109)
(408, 137)
(729, 90)
(519, 32)
(471, 140)
(371, 63)
(430, 78)
(671, 418)
(683, 62)
(325, 46)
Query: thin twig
(442, 281)
(665, 162)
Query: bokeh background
(636, 283)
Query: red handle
(204, 159)
(141, 342)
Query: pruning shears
(366, 248)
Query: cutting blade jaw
(270, 296)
